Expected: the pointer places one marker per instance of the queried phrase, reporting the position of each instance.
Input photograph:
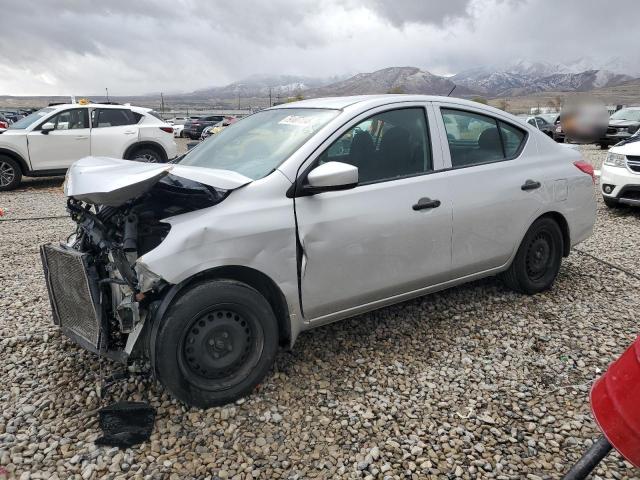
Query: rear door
(497, 189)
(113, 130)
(59, 148)
(379, 239)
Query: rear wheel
(10, 173)
(536, 265)
(610, 202)
(146, 155)
(216, 343)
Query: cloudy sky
(142, 46)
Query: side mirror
(331, 176)
(47, 127)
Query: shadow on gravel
(35, 184)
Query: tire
(610, 202)
(537, 262)
(215, 343)
(146, 155)
(10, 173)
(603, 146)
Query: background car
(48, 141)
(622, 124)
(193, 127)
(304, 214)
(217, 128)
(4, 124)
(620, 173)
(539, 122)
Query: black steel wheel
(216, 343)
(537, 262)
(10, 173)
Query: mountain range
(517, 78)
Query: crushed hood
(112, 181)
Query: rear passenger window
(386, 146)
(512, 138)
(112, 117)
(475, 139)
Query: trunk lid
(112, 182)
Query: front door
(389, 235)
(66, 143)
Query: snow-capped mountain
(524, 77)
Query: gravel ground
(473, 382)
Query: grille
(633, 162)
(611, 130)
(73, 293)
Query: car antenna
(451, 91)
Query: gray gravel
(473, 382)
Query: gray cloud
(82, 46)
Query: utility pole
(238, 101)
(107, 90)
(270, 104)
(162, 104)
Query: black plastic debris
(126, 424)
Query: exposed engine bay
(113, 238)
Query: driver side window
(386, 146)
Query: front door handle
(130, 132)
(425, 203)
(82, 137)
(530, 185)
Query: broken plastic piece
(126, 424)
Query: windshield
(626, 114)
(258, 144)
(28, 120)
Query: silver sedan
(301, 215)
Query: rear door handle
(130, 132)
(425, 203)
(82, 137)
(530, 185)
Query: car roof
(372, 101)
(64, 106)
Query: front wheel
(537, 262)
(10, 173)
(216, 343)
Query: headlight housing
(615, 160)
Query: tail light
(586, 168)
(167, 129)
(4, 125)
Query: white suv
(620, 175)
(48, 141)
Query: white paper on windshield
(296, 121)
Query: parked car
(48, 141)
(194, 126)
(622, 124)
(539, 122)
(216, 128)
(620, 173)
(301, 215)
(178, 130)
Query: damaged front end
(101, 293)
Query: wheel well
(128, 154)
(262, 283)
(14, 156)
(564, 228)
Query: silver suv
(301, 215)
